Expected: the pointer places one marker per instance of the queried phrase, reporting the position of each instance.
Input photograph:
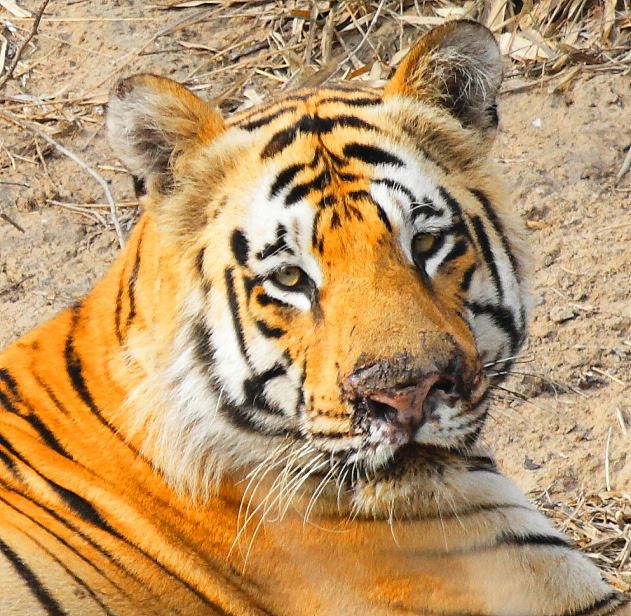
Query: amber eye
(424, 244)
(289, 277)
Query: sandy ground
(563, 422)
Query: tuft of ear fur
(458, 66)
(151, 121)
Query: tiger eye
(423, 243)
(288, 276)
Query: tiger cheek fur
(271, 403)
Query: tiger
(271, 404)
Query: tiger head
(349, 277)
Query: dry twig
(66, 152)
(25, 42)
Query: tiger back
(271, 403)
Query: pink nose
(403, 406)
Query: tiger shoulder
(272, 401)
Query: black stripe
(383, 217)
(244, 419)
(330, 435)
(268, 331)
(280, 245)
(204, 351)
(86, 587)
(266, 119)
(316, 125)
(199, 262)
(133, 279)
(452, 204)
(281, 140)
(249, 284)
(426, 207)
(397, 186)
(371, 155)
(297, 193)
(9, 381)
(140, 185)
(116, 561)
(535, 539)
(118, 310)
(8, 404)
(502, 318)
(131, 289)
(46, 435)
(465, 283)
(317, 240)
(300, 191)
(8, 461)
(76, 531)
(347, 177)
(497, 225)
(456, 211)
(264, 299)
(487, 253)
(240, 246)
(234, 311)
(74, 370)
(49, 392)
(52, 556)
(254, 387)
(31, 417)
(483, 464)
(457, 250)
(82, 508)
(364, 101)
(311, 125)
(356, 195)
(613, 600)
(45, 599)
(76, 552)
(284, 178)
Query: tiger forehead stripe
(311, 125)
(266, 113)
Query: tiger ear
(151, 121)
(458, 66)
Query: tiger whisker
(318, 491)
(520, 358)
(292, 489)
(391, 521)
(440, 515)
(300, 479)
(255, 481)
(256, 476)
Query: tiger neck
(127, 323)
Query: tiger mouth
(385, 455)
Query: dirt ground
(563, 422)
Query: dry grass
(288, 44)
(601, 526)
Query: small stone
(531, 465)
(560, 314)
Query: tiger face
(351, 279)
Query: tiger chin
(271, 403)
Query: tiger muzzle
(400, 394)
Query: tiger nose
(404, 407)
